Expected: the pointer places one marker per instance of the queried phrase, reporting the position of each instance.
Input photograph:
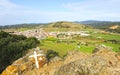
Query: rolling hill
(65, 26)
(102, 25)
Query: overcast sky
(44, 11)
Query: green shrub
(14, 47)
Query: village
(87, 36)
(96, 35)
(41, 34)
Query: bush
(50, 54)
(14, 47)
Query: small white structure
(78, 46)
(36, 59)
(84, 34)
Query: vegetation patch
(14, 47)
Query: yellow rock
(4, 73)
(23, 67)
(10, 70)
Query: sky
(45, 11)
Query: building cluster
(41, 34)
(38, 33)
(70, 33)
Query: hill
(102, 25)
(65, 26)
(25, 25)
(61, 26)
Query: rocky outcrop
(103, 61)
(88, 66)
(74, 56)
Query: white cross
(35, 56)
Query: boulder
(55, 59)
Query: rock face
(74, 56)
(18, 67)
(88, 66)
(102, 62)
(55, 59)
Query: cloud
(92, 3)
(95, 9)
(12, 13)
(7, 4)
(92, 6)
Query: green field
(62, 48)
(107, 36)
(65, 45)
(114, 46)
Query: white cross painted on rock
(36, 59)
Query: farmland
(83, 44)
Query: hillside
(98, 23)
(102, 25)
(65, 26)
(26, 25)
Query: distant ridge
(103, 25)
(90, 21)
(24, 25)
(96, 22)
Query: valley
(64, 37)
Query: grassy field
(107, 36)
(63, 47)
(115, 47)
